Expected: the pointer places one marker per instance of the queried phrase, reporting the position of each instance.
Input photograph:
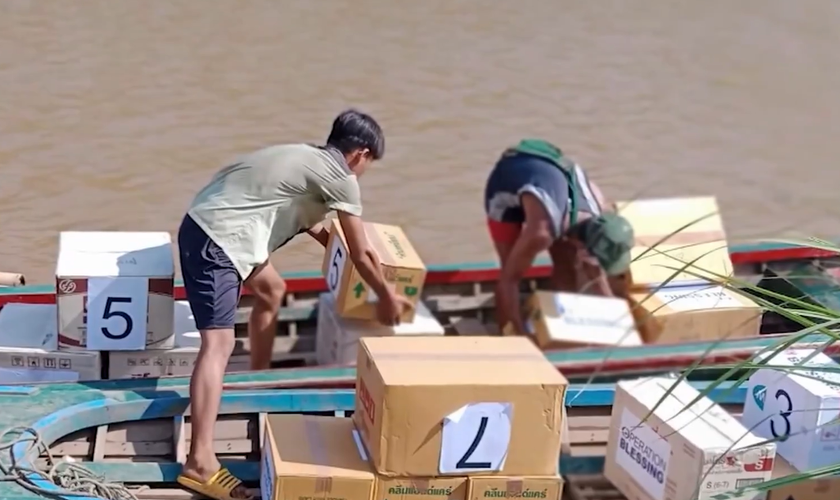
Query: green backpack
(547, 151)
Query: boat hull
(139, 437)
(464, 291)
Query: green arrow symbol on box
(358, 289)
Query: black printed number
(109, 313)
(785, 414)
(464, 462)
(339, 255)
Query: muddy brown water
(113, 114)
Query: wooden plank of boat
(130, 436)
(458, 294)
(747, 257)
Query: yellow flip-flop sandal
(220, 486)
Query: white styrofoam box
(29, 348)
(186, 333)
(799, 401)
(337, 337)
(29, 326)
(178, 361)
(114, 290)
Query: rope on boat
(71, 478)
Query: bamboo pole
(12, 279)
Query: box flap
(114, 253)
(462, 361)
(393, 247)
(705, 424)
(390, 243)
(309, 445)
(32, 326)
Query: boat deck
(138, 435)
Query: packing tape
(514, 486)
(419, 483)
(317, 446)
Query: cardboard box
(312, 457)
(564, 320)
(799, 403)
(814, 489)
(29, 348)
(337, 338)
(541, 487)
(413, 488)
(697, 234)
(679, 452)
(694, 313)
(118, 285)
(434, 406)
(178, 361)
(401, 265)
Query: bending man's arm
(320, 233)
(344, 197)
(536, 236)
(362, 255)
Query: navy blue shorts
(210, 278)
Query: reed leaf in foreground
(816, 333)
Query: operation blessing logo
(650, 461)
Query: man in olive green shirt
(248, 210)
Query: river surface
(113, 114)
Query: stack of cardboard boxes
(29, 349)
(114, 294)
(447, 417)
(796, 401)
(680, 252)
(347, 311)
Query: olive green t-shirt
(265, 198)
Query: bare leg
(503, 250)
(564, 256)
(205, 398)
(268, 289)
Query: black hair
(352, 130)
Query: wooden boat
(461, 292)
(136, 431)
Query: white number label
(117, 310)
(338, 255)
(476, 438)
